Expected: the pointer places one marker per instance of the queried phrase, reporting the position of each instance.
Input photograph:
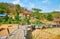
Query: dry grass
(11, 28)
(49, 33)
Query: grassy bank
(49, 33)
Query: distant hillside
(14, 11)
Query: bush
(37, 23)
(49, 17)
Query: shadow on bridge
(29, 35)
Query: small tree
(49, 17)
(36, 13)
(2, 11)
(17, 19)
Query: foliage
(37, 23)
(37, 14)
(2, 20)
(49, 17)
(15, 10)
(36, 9)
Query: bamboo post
(8, 31)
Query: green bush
(49, 17)
(37, 23)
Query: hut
(27, 13)
(56, 21)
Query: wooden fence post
(8, 31)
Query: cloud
(44, 9)
(58, 8)
(31, 5)
(21, 4)
(16, 2)
(26, 0)
(45, 1)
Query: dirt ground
(11, 28)
(49, 33)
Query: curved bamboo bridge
(21, 31)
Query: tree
(49, 17)
(36, 9)
(36, 13)
(18, 8)
(17, 13)
(2, 10)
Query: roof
(27, 12)
(57, 20)
(2, 14)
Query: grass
(11, 28)
(48, 33)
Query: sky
(45, 5)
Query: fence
(47, 26)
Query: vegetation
(36, 13)
(49, 17)
(48, 33)
(14, 12)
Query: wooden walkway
(19, 33)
